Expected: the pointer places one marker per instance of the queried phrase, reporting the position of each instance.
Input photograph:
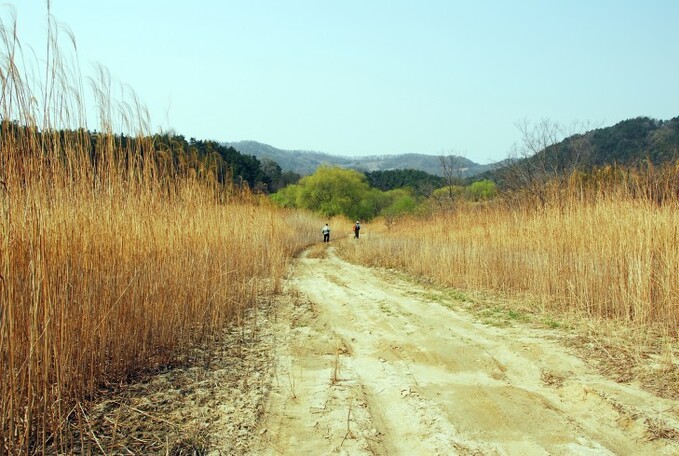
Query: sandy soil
(356, 361)
(367, 363)
(209, 403)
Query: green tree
(480, 190)
(287, 196)
(401, 202)
(273, 171)
(371, 204)
(334, 191)
(446, 197)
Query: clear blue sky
(377, 77)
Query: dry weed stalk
(292, 384)
(349, 434)
(335, 371)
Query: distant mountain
(428, 163)
(306, 162)
(298, 161)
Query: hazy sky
(377, 77)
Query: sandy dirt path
(371, 364)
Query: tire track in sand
(368, 366)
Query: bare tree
(543, 157)
(452, 168)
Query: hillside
(430, 164)
(634, 140)
(298, 161)
(306, 162)
(627, 143)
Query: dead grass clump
(196, 443)
(317, 251)
(551, 378)
(643, 355)
(657, 429)
(611, 258)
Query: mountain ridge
(305, 162)
(627, 143)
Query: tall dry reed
(109, 264)
(615, 255)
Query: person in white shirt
(326, 233)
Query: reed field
(112, 263)
(115, 260)
(96, 289)
(613, 256)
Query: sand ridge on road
(374, 366)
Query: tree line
(334, 191)
(175, 155)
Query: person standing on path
(326, 233)
(357, 228)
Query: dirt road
(372, 364)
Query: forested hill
(306, 162)
(299, 161)
(421, 182)
(629, 143)
(626, 143)
(634, 140)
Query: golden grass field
(100, 285)
(611, 258)
(110, 266)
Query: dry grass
(614, 259)
(318, 251)
(98, 287)
(109, 265)
(210, 403)
(605, 268)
